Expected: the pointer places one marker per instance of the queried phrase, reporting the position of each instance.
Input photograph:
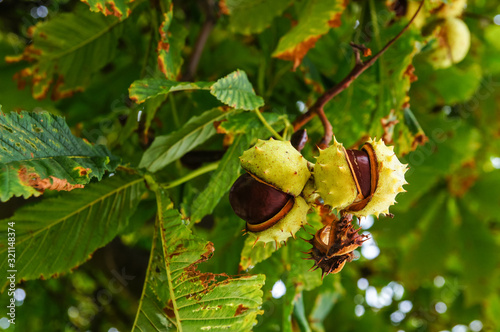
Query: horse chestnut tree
(239, 165)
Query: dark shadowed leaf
(221, 180)
(253, 16)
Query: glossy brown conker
(258, 203)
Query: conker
(270, 214)
(259, 204)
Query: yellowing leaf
(66, 52)
(315, 20)
(170, 46)
(118, 8)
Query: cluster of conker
(280, 186)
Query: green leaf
(68, 50)
(59, 234)
(253, 16)
(177, 296)
(478, 250)
(315, 19)
(436, 237)
(236, 91)
(39, 146)
(323, 304)
(118, 8)
(254, 253)
(484, 196)
(299, 313)
(166, 149)
(147, 88)
(170, 46)
(249, 123)
(221, 180)
(445, 86)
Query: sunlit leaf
(254, 253)
(39, 152)
(236, 91)
(177, 295)
(170, 46)
(315, 19)
(141, 90)
(118, 8)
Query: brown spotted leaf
(38, 152)
(66, 51)
(177, 296)
(317, 17)
(170, 46)
(118, 8)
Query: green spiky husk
(277, 163)
(286, 227)
(333, 179)
(390, 183)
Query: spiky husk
(277, 163)
(453, 43)
(333, 178)
(390, 183)
(287, 226)
(453, 8)
(333, 245)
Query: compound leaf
(61, 233)
(38, 152)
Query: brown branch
(206, 29)
(359, 68)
